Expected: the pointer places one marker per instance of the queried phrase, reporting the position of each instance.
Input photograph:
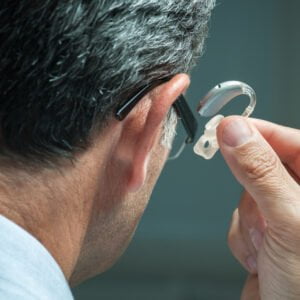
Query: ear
(142, 128)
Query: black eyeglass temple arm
(123, 110)
(180, 105)
(187, 117)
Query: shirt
(27, 269)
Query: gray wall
(179, 250)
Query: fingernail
(251, 264)
(236, 133)
(256, 238)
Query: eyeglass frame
(182, 109)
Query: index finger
(284, 140)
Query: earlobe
(147, 138)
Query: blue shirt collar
(27, 269)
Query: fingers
(257, 167)
(246, 233)
(240, 247)
(284, 140)
(252, 223)
(251, 289)
(272, 192)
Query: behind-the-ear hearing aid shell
(211, 104)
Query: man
(86, 88)
(75, 179)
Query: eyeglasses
(181, 107)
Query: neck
(50, 206)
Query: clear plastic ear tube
(211, 104)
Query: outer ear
(143, 127)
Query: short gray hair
(64, 74)
(152, 39)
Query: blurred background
(179, 250)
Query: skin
(264, 233)
(86, 212)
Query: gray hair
(169, 129)
(64, 74)
(152, 39)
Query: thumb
(257, 167)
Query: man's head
(64, 68)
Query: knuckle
(258, 164)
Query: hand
(265, 230)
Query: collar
(27, 269)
